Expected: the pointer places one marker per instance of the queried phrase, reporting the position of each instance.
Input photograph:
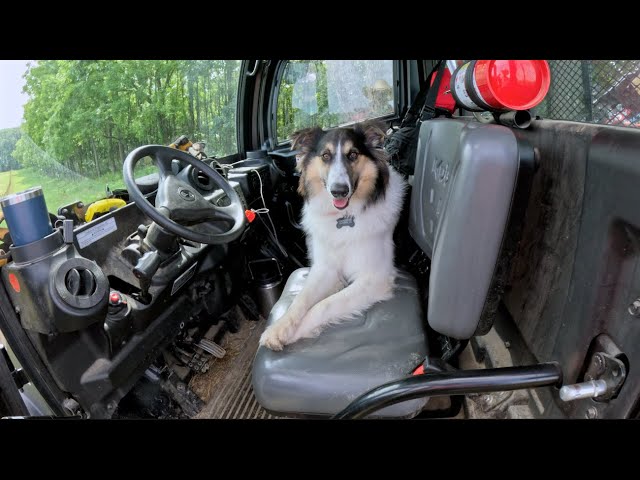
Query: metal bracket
(73, 407)
(608, 368)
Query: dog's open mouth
(340, 203)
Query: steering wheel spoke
(223, 213)
(190, 214)
(208, 228)
(164, 160)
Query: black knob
(142, 230)
(147, 265)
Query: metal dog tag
(347, 221)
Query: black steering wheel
(178, 204)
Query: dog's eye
(326, 156)
(353, 156)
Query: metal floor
(226, 387)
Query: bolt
(592, 412)
(111, 406)
(507, 344)
(634, 308)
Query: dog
(352, 203)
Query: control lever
(148, 265)
(146, 268)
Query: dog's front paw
(270, 339)
(311, 326)
(277, 336)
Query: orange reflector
(251, 216)
(13, 280)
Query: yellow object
(184, 147)
(103, 206)
(182, 143)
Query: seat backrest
(462, 214)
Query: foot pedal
(212, 347)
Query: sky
(11, 97)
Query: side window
(82, 117)
(594, 91)
(330, 93)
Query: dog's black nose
(339, 190)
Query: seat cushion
(322, 375)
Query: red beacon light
(500, 85)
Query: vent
(80, 283)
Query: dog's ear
(305, 139)
(373, 132)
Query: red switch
(115, 299)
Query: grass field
(59, 192)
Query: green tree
(8, 139)
(85, 116)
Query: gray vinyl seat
(321, 376)
(467, 176)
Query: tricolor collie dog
(353, 199)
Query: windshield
(67, 125)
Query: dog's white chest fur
(363, 244)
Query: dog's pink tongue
(340, 202)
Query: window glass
(330, 93)
(594, 91)
(82, 117)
